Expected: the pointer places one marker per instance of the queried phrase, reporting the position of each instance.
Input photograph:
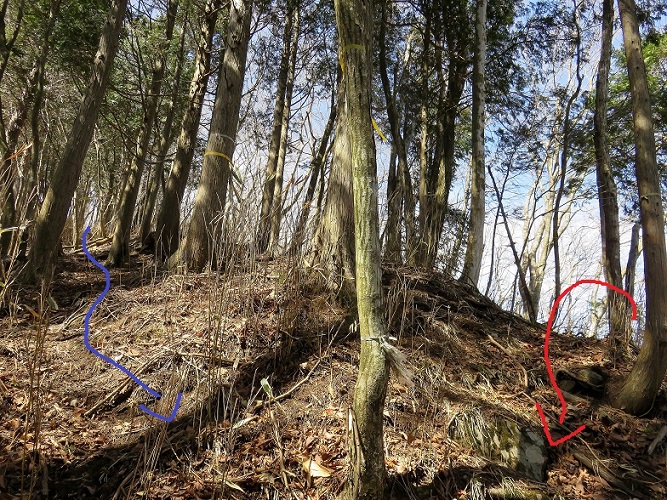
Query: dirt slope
(71, 425)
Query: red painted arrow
(552, 316)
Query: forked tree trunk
(643, 383)
(473, 259)
(198, 247)
(617, 305)
(397, 172)
(355, 21)
(121, 239)
(52, 215)
(169, 215)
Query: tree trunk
(565, 152)
(317, 168)
(53, 212)
(169, 215)
(355, 21)
(121, 239)
(402, 172)
(166, 140)
(392, 251)
(633, 255)
(198, 247)
(333, 244)
(473, 260)
(617, 305)
(263, 232)
(277, 198)
(643, 383)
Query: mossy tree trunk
(354, 19)
(643, 383)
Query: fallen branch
(286, 394)
(658, 439)
(124, 389)
(593, 464)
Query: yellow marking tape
(235, 174)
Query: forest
(355, 249)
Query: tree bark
(316, 171)
(617, 305)
(263, 232)
(166, 140)
(355, 20)
(169, 215)
(121, 239)
(643, 383)
(52, 215)
(277, 198)
(333, 245)
(199, 245)
(633, 255)
(473, 259)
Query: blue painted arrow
(97, 353)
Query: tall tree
(128, 200)
(618, 311)
(277, 198)
(198, 247)
(354, 19)
(474, 250)
(399, 171)
(333, 242)
(166, 140)
(263, 232)
(642, 385)
(31, 95)
(52, 215)
(169, 215)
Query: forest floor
(71, 425)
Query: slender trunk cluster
(169, 215)
(128, 200)
(52, 215)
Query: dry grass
(74, 427)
